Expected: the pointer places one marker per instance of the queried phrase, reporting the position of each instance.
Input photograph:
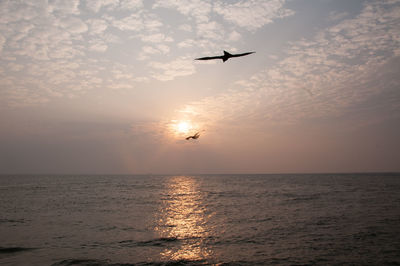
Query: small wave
(153, 242)
(297, 198)
(107, 228)
(94, 262)
(13, 221)
(81, 262)
(182, 262)
(8, 250)
(234, 263)
(158, 241)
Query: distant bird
(195, 136)
(224, 57)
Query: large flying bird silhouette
(224, 57)
(195, 136)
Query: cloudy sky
(110, 86)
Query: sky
(112, 87)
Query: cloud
(171, 70)
(39, 33)
(150, 50)
(15, 67)
(234, 36)
(185, 27)
(156, 38)
(343, 66)
(98, 46)
(210, 30)
(198, 10)
(11, 12)
(133, 22)
(96, 5)
(65, 7)
(130, 4)
(2, 42)
(48, 37)
(20, 96)
(253, 14)
(73, 25)
(138, 22)
(147, 51)
(187, 43)
(97, 26)
(335, 16)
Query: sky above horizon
(110, 86)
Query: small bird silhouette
(224, 57)
(195, 136)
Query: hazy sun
(183, 127)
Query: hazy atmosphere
(111, 86)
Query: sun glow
(183, 127)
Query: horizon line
(199, 174)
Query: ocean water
(317, 219)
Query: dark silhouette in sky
(224, 57)
(195, 136)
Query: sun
(183, 127)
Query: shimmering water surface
(330, 219)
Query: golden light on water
(183, 219)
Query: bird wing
(209, 58)
(237, 55)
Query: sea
(275, 219)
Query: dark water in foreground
(335, 219)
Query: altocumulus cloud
(319, 77)
(173, 69)
(67, 48)
(253, 14)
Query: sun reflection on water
(183, 218)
